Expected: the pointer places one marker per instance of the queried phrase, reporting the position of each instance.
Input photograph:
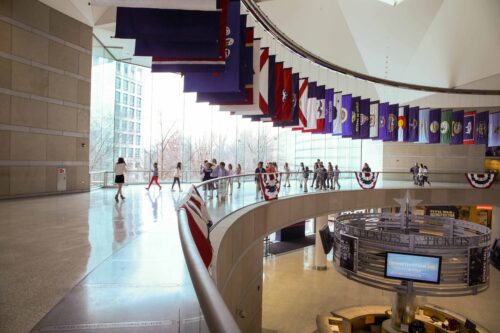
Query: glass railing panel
(226, 195)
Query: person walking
(258, 171)
(421, 172)
(329, 176)
(336, 174)
(286, 168)
(305, 177)
(177, 177)
(322, 173)
(207, 171)
(155, 177)
(414, 172)
(300, 175)
(426, 175)
(120, 169)
(230, 180)
(222, 184)
(238, 173)
(315, 173)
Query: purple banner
(470, 128)
(365, 118)
(383, 114)
(346, 115)
(356, 117)
(246, 74)
(413, 117)
(457, 128)
(329, 106)
(434, 125)
(482, 121)
(392, 123)
(170, 25)
(494, 130)
(229, 80)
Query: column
(495, 223)
(319, 254)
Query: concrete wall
(237, 239)
(45, 66)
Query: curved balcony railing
(223, 196)
(268, 25)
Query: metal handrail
(215, 311)
(267, 24)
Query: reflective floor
(137, 279)
(83, 263)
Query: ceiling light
(392, 2)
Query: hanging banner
(270, 185)
(457, 128)
(470, 128)
(413, 119)
(383, 115)
(482, 121)
(364, 120)
(445, 129)
(403, 123)
(345, 116)
(480, 180)
(367, 180)
(374, 120)
(434, 125)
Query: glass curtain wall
(147, 118)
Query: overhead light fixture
(392, 2)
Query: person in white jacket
(177, 176)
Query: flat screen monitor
(326, 238)
(413, 267)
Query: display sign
(478, 265)
(349, 252)
(413, 267)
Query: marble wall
(45, 68)
(237, 239)
(440, 158)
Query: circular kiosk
(413, 255)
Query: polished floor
(83, 263)
(294, 294)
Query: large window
(154, 121)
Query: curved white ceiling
(447, 43)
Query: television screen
(326, 238)
(413, 267)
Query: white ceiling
(447, 43)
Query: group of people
(212, 170)
(121, 168)
(420, 174)
(324, 177)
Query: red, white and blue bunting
(199, 223)
(480, 180)
(270, 185)
(367, 180)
